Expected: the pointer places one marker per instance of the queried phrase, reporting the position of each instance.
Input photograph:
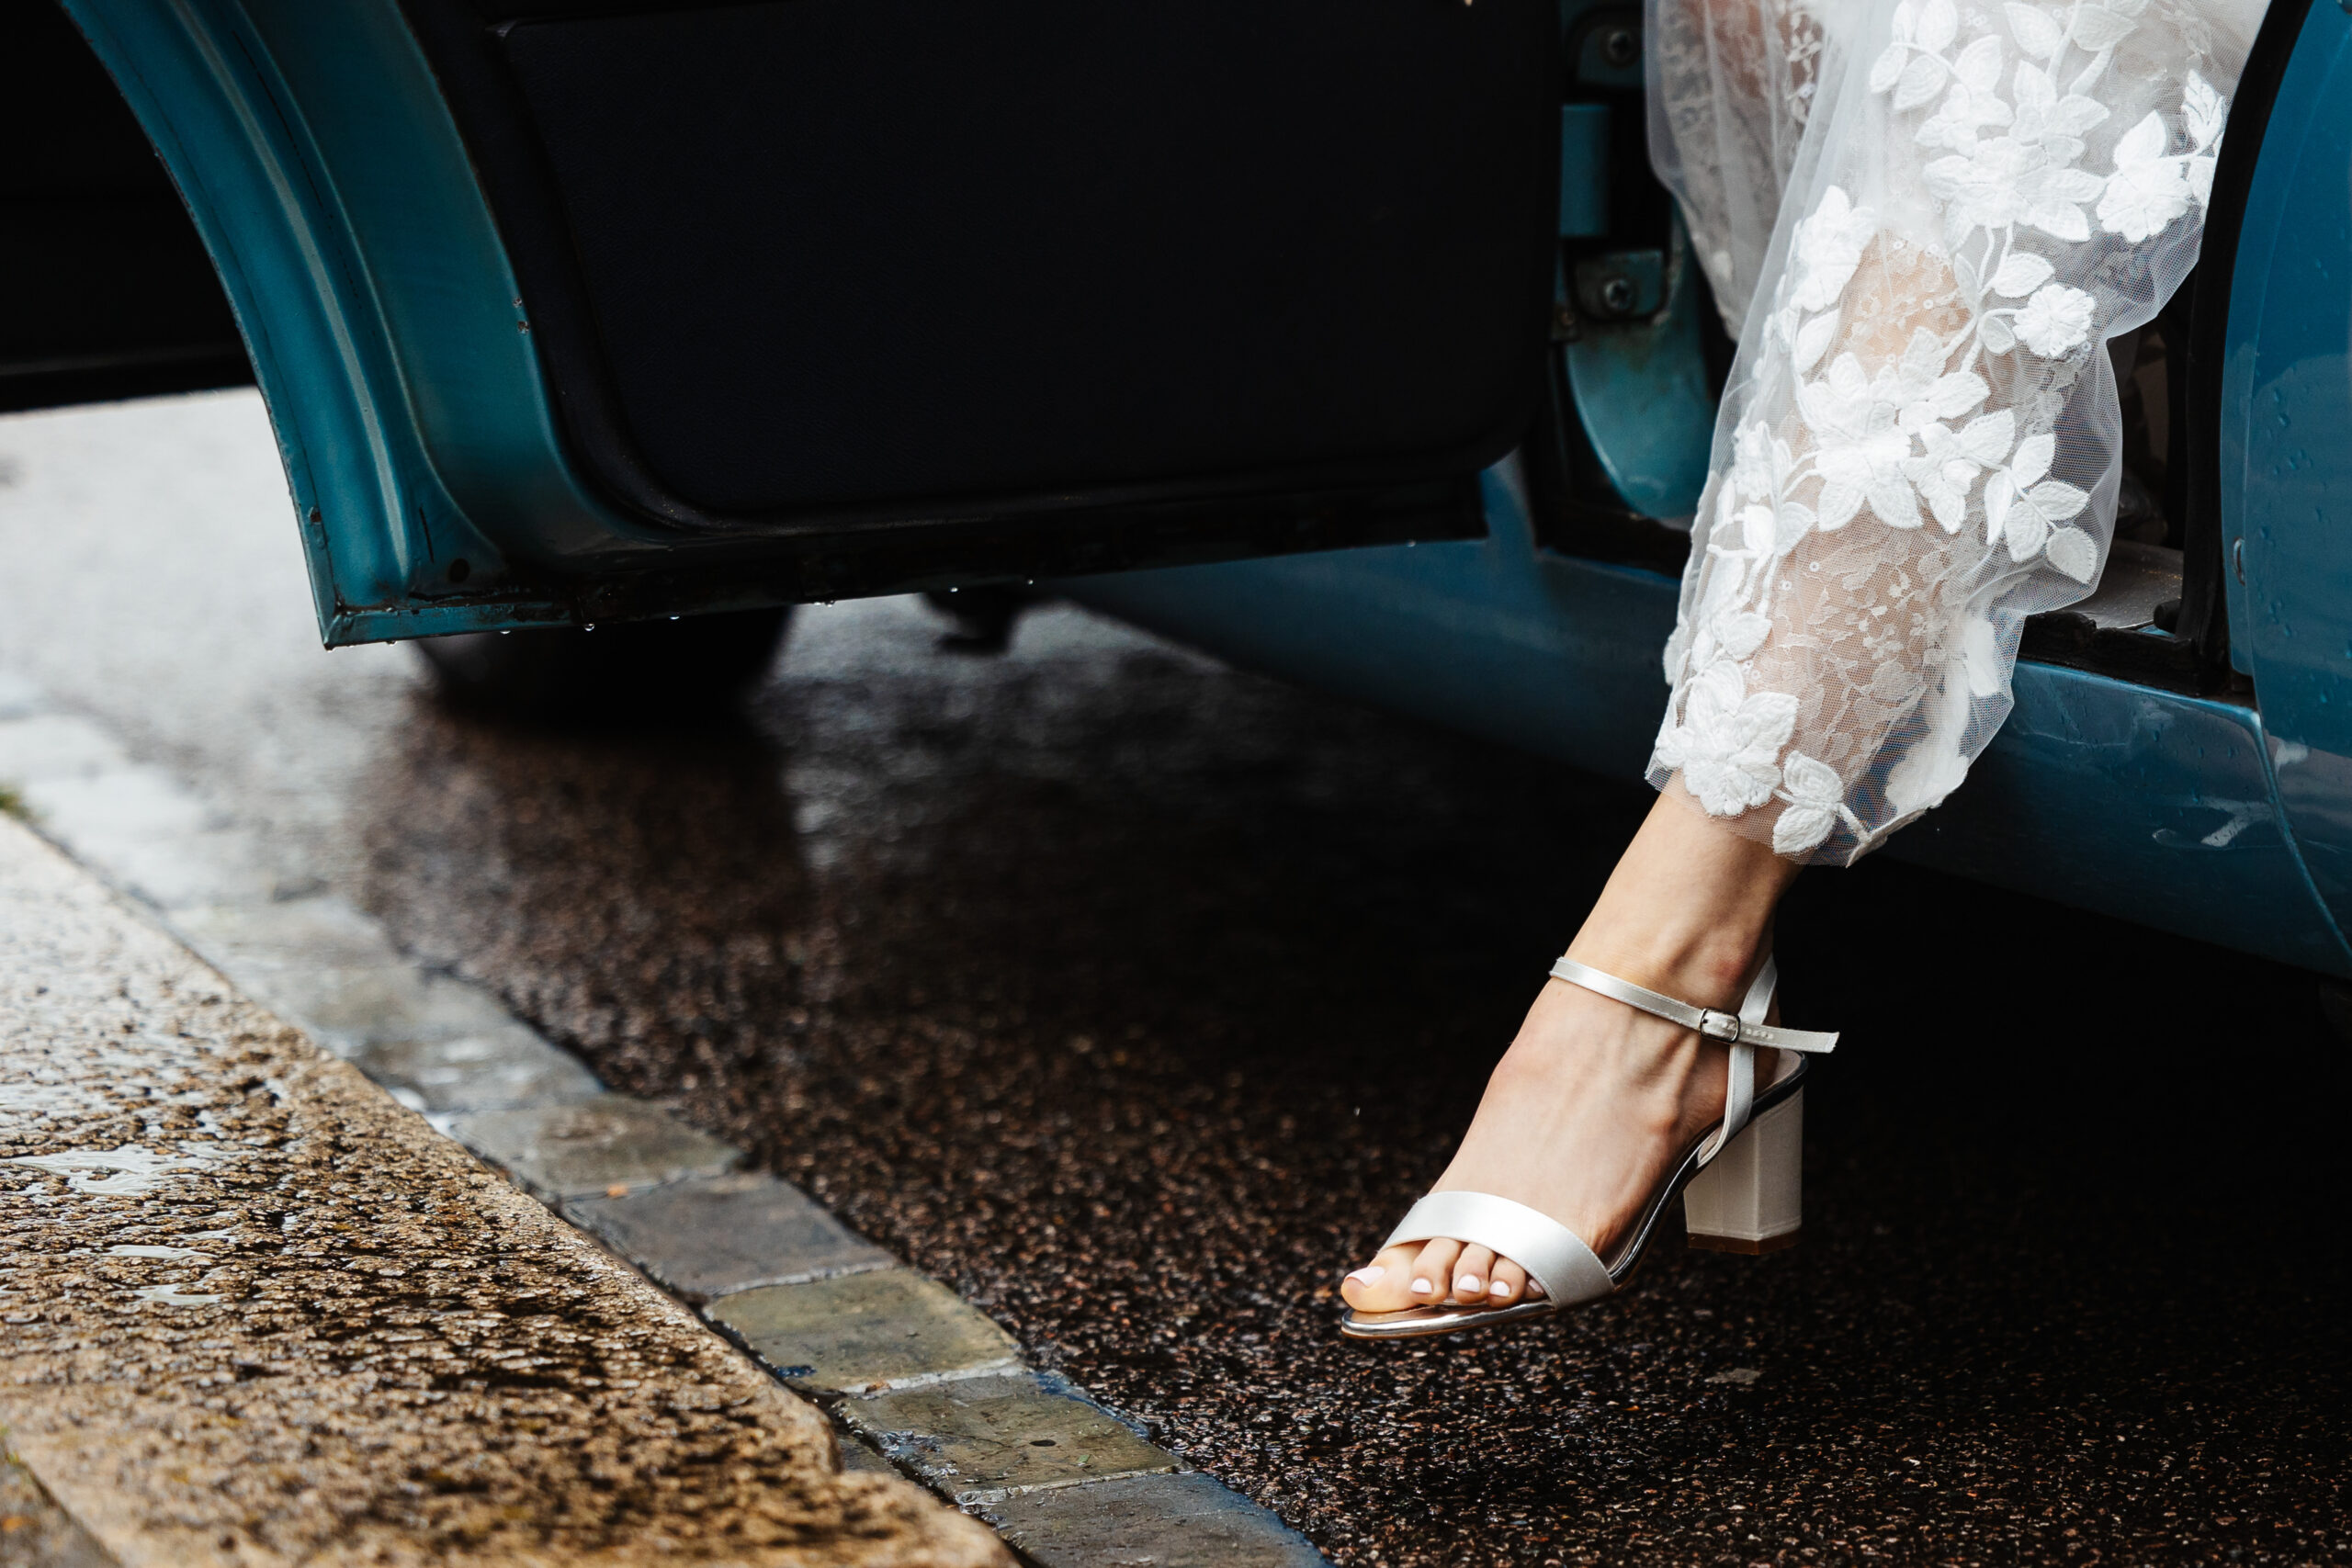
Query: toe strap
(1548, 1250)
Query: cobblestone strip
(922, 1382)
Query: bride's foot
(1594, 1100)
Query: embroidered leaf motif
(2202, 111)
(1920, 82)
(1814, 341)
(1987, 440)
(2099, 28)
(2074, 553)
(2022, 273)
(1741, 635)
(1978, 69)
(1938, 25)
(1728, 745)
(1829, 248)
(2057, 499)
(1981, 653)
(2149, 189)
(2037, 32)
(1815, 797)
(2033, 458)
(1887, 68)
(1795, 520)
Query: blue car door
(571, 311)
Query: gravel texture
(1135, 998)
(258, 1314)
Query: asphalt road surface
(1134, 997)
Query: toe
(1433, 1272)
(1384, 1284)
(1470, 1271)
(1507, 1283)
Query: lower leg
(1593, 1100)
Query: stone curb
(919, 1378)
(34, 1532)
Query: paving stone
(135, 825)
(856, 1459)
(36, 1533)
(19, 698)
(348, 1009)
(320, 933)
(48, 746)
(581, 1150)
(979, 1439)
(725, 1234)
(1164, 1521)
(118, 803)
(861, 1333)
(501, 1070)
(173, 872)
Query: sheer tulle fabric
(1931, 216)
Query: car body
(1348, 339)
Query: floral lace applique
(1933, 323)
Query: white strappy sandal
(1748, 1200)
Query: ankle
(1689, 909)
(1707, 967)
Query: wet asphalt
(1135, 996)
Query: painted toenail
(1368, 1276)
(1501, 1288)
(1468, 1285)
(1420, 1287)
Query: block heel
(1751, 1198)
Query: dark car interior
(110, 293)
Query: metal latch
(1619, 286)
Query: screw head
(1617, 294)
(1621, 47)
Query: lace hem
(1920, 442)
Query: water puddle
(47, 1099)
(125, 1172)
(171, 1295)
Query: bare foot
(1593, 1100)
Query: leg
(1593, 1100)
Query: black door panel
(831, 262)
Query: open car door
(571, 310)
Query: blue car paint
(2137, 803)
(384, 324)
(1642, 393)
(2287, 447)
(1584, 170)
(328, 181)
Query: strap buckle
(1721, 1025)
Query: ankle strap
(1729, 1027)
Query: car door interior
(816, 298)
(812, 269)
(109, 291)
(870, 260)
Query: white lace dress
(1929, 215)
